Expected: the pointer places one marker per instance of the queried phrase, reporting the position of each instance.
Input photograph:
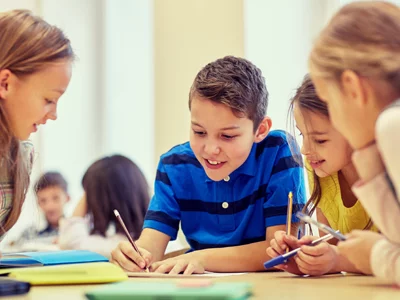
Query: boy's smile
(220, 140)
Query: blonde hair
(363, 37)
(27, 45)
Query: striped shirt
(6, 184)
(231, 212)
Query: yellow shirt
(331, 204)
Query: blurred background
(136, 62)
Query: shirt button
(227, 178)
(225, 205)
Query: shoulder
(275, 138)
(388, 124)
(180, 155)
(278, 144)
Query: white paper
(160, 275)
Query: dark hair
(235, 82)
(307, 99)
(51, 179)
(116, 182)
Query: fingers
(177, 266)
(316, 260)
(291, 241)
(316, 250)
(281, 242)
(127, 258)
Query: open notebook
(49, 258)
(97, 272)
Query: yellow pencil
(289, 215)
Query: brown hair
(116, 182)
(235, 82)
(27, 44)
(51, 179)
(363, 37)
(306, 98)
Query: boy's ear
(5, 76)
(263, 129)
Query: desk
(267, 285)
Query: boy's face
(220, 140)
(51, 200)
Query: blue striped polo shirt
(230, 212)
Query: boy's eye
(198, 132)
(49, 101)
(228, 137)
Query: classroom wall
(188, 34)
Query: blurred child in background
(52, 193)
(113, 182)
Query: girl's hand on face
(81, 207)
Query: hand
(357, 248)
(128, 259)
(81, 208)
(278, 246)
(185, 263)
(316, 260)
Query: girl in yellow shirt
(331, 175)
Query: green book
(170, 290)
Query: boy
(52, 193)
(228, 186)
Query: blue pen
(284, 257)
(321, 226)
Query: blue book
(49, 258)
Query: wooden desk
(267, 285)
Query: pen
(284, 257)
(289, 215)
(323, 227)
(128, 235)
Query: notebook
(170, 290)
(98, 272)
(49, 258)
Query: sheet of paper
(160, 275)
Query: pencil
(289, 215)
(128, 235)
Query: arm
(160, 225)
(74, 234)
(375, 186)
(243, 258)
(385, 261)
(81, 208)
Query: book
(97, 272)
(49, 258)
(171, 290)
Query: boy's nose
(212, 149)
